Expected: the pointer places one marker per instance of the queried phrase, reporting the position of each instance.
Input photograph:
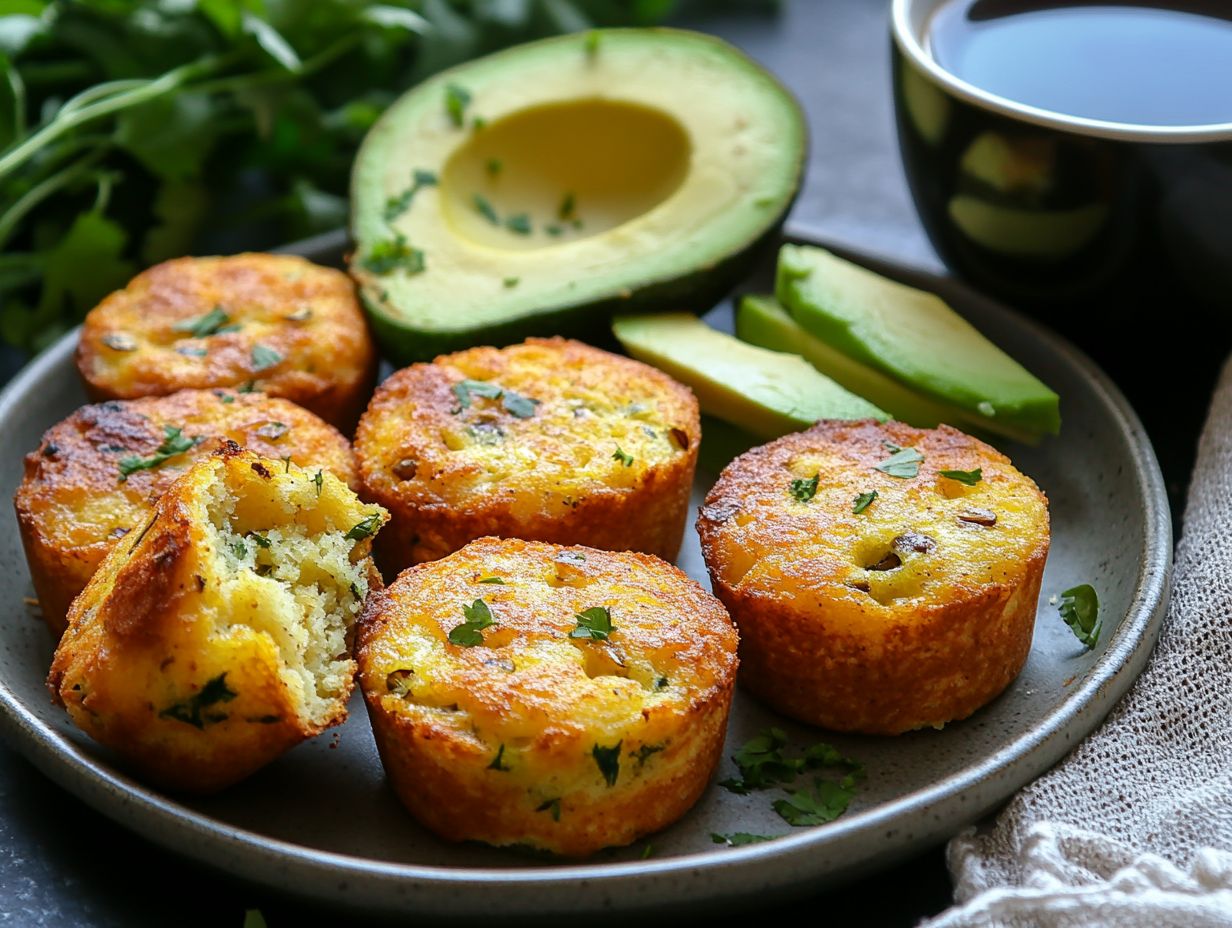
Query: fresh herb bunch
(132, 131)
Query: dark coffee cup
(1060, 212)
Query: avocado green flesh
(912, 336)
(639, 172)
(761, 320)
(766, 393)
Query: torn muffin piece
(220, 635)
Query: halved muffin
(96, 474)
(219, 635)
(883, 577)
(551, 440)
(561, 698)
(277, 324)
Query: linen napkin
(1134, 828)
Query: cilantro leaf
(364, 528)
(623, 457)
(827, 801)
(394, 254)
(485, 208)
(319, 480)
(469, 633)
(215, 322)
(498, 762)
(550, 805)
(903, 463)
(192, 710)
(457, 99)
(519, 223)
(968, 477)
(608, 761)
(496, 580)
(1079, 608)
(395, 206)
(594, 623)
(804, 490)
(174, 442)
(567, 205)
(863, 501)
(465, 389)
(263, 358)
(523, 407)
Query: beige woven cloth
(1134, 828)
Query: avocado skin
(696, 292)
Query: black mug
(1059, 213)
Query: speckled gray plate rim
(1111, 527)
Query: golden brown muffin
(877, 614)
(96, 475)
(550, 440)
(218, 636)
(565, 699)
(277, 324)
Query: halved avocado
(542, 188)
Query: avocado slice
(766, 393)
(540, 189)
(914, 337)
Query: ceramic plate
(321, 822)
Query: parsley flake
(263, 358)
(967, 477)
(739, 838)
(470, 633)
(567, 206)
(623, 457)
(554, 230)
(364, 528)
(457, 99)
(519, 223)
(511, 281)
(464, 390)
(394, 254)
(493, 166)
(174, 442)
(486, 209)
(594, 623)
(261, 540)
(517, 405)
(319, 479)
(827, 801)
(903, 463)
(498, 762)
(608, 761)
(550, 805)
(1079, 607)
(215, 322)
(863, 501)
(397, 205)
(497, 580)
(192, 711)
(805, 489)
(645, 751)
(591, 44)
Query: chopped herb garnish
(355, 592)
(567, 205)
(192, 710)
(457, 99)
(261, 540)
(763, 202)
(318, 479)
(594, 623)
(511, 281)
(623, 457)
(591, 44)
(365, 527)
(287, 461)
(827, 801)
(478, 123)
(498, 761)
(486, 209)
(647, 850)
(903, 462)
(519, 223)
(494, 166)
(550, 805)
(739, 838)
(174, 442)
(1080, 609)
(397, 205)
(466, 389)
(249, 387)
(762, 763)
(863, 501)
(554, 230)
(214, 322)
(273, 430)
(239, 549)
(608, 761)
(263, 358)
(394, 254)
(645, 751)
(968, 477)
(805, 489)
(517, 405)
(493, 580)
(469, 633)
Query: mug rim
(909, 46)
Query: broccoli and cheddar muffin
(96, 474)
(218, 635)
(273, 323)
(884, 578)
(561, 698)
(550, 440)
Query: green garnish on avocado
(519, 223)
(457, 99)
(394, 254)
(485, 208)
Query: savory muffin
(550, 440)
(273, 323)
(883, 577)
(96, 475)
(218, 636)
(560, 698)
